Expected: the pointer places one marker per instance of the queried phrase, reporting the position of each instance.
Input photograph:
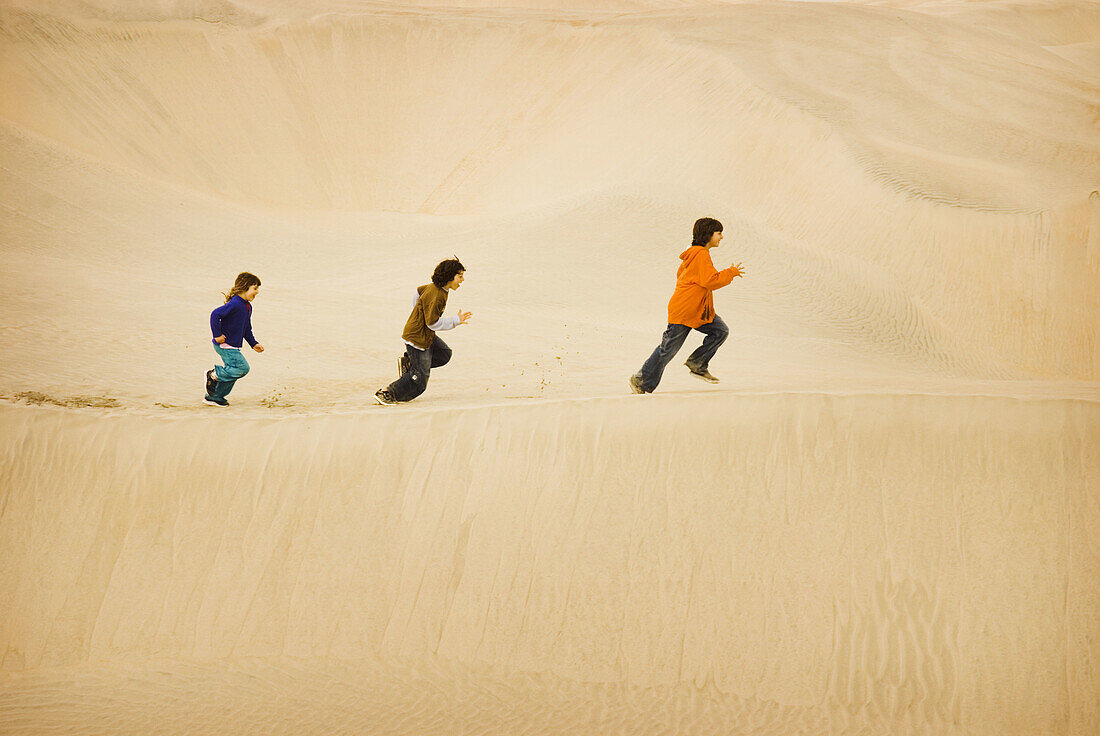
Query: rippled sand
(881, 521)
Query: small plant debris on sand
(38, 399)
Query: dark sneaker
(701, 373)
(215, 401)
(384, 397)
(402, 365)
(636, 385)
(211, 382)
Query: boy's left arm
(707, 276)
(433, 310)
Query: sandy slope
(514, 123)
(880, 522)
(913, 564)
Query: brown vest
(429, 308)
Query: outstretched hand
(464, 317)
(737, 270)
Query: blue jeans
(716, 333)
(235, 367)
(421, 362)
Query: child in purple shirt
(231, 325)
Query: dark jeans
(716, 333)
(421, 362)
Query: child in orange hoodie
(691, 307)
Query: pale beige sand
(899, 564)
(883, 520)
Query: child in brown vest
(424, 349)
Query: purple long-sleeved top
(234, 320)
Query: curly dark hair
(705, 227)
(446, 271)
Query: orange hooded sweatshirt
(692, 303)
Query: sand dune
(913, 564)
(879, 522)
(441, 113)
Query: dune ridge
(295, 138)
